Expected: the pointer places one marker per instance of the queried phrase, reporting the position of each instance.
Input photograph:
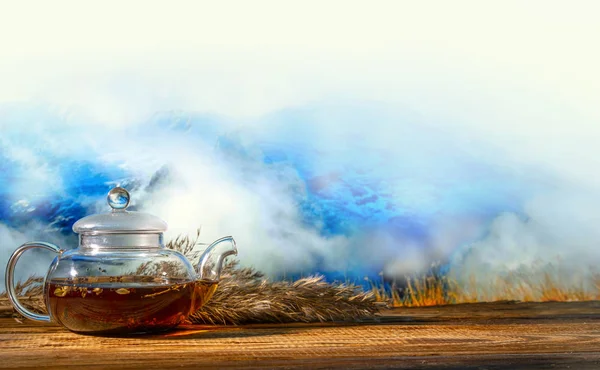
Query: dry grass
(419, 292)
(30, 293)
(436, 289)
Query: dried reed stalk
(244, 296)
(30, 296)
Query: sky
(330, 136)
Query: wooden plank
(499, 335)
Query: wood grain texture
(490, 336)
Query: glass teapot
(122, 279)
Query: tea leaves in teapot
(122, 305)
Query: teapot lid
(119, 220)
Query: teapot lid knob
(120, 221)
(118, 198)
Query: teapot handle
(9, 278)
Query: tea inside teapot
(125, 304)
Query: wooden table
(478, 336)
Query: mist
(420, 137)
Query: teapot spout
(211, 261)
